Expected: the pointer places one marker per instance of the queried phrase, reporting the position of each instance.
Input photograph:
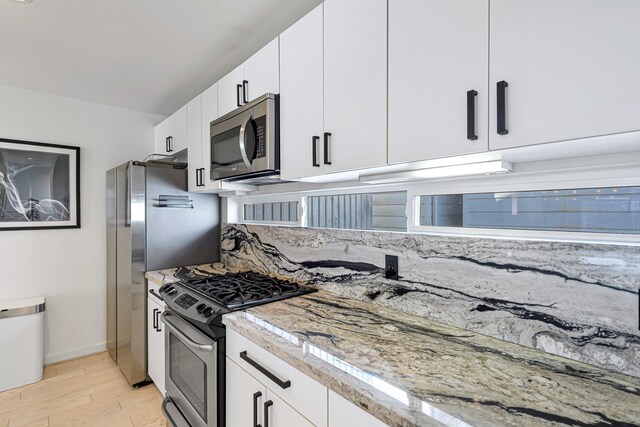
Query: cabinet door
(261, 72)
(194, 137)
(160, 133)
(438, 52)
(209, 114)
(178, 130)
(571, 66)
(240, 388)
(343, 413)
(155, 344)
(282, 415)
(229, 97)
(355, 83)
(301, 116)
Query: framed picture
(39, 185)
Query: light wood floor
(84, 392)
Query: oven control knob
(171, 290)
(207, 312)
(200, 307)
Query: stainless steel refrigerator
(152, 223)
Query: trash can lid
(21, 307)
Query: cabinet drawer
(153, 292)
(304, 394)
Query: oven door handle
(185, 339)
(168, 401)
(243, 141)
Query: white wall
(68, 266)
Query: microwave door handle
(242, 139)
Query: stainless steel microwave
(245, 143)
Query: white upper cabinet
(194, 138)
(261, 73)
(571, 69)
(355, 84)
(230, 91)
(209, 114)
(170, 136)
(438, 78)
(255, 77)
(301, 109)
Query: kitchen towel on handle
(22, 342)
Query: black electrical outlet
(391, 267)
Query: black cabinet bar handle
(202, 177)
(155, 294)
(265, 371)
(314, 147)
(471, 115)
(238, 89)
(245, 91)
(256, 395)
(169, 143)
(501, 92)
(326, 148)
(267, 405)
(197, 177)
(155, 319)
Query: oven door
(190, 374)
(233, 146)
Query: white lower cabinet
(343, 413)
(263, 389)
(304, 396)
(250, 403)
(155, 343)
(245, 397)
(280, 414)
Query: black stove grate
(242, 290)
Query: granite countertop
(410, 371)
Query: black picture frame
(12, 219)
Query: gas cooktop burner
(241, 290)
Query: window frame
(558, 174)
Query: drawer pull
(256, 395)
(155, 294)
(245, 91)
(314, 146)
(267, 404)
(326, 148)
(265, 371)
(471, 115)
(501, 101)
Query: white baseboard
(74, 354)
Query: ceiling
(146, 55)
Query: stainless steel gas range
(195, 340)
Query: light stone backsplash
(571, 299)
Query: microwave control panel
(261, 131)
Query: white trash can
(21, 342)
